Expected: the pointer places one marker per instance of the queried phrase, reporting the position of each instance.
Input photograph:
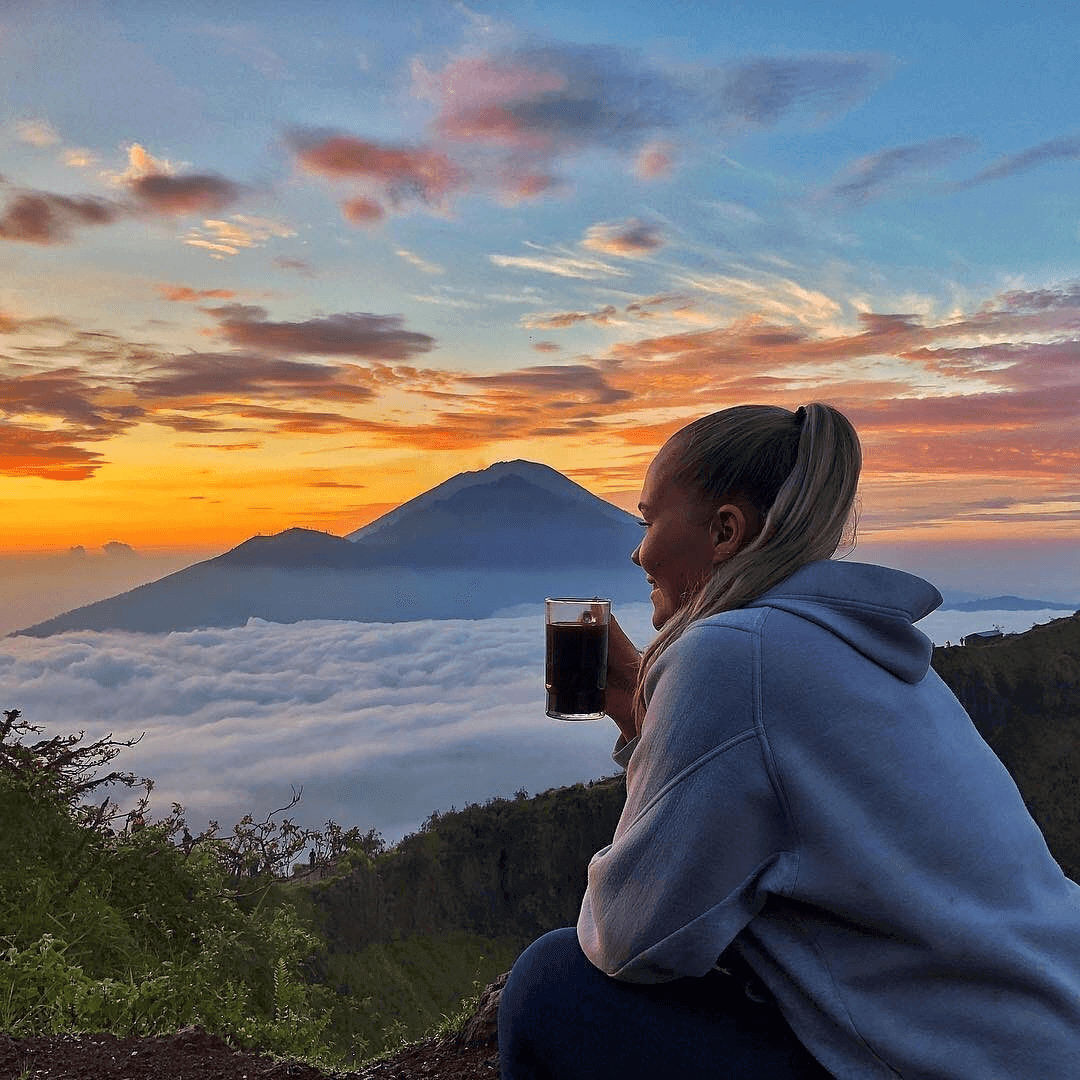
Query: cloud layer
(380, 724)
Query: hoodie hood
(872, 608)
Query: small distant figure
(311, 858)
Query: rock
(482, 1028)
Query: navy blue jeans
(561, 1018)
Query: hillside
(1023, 693)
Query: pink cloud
(401, 172)
(654, 161)
(177, 195)
(362, 211)
(185, 293)
(38, 217)
(477, 94)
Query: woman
(821, 869)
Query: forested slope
(1023, 693)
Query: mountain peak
(532, 473)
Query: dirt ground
(192, 1054)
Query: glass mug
(575, 662)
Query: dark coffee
(576, 669)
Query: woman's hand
(622, 672)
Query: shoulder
(701, 689)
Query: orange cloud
(184, 293)
(361, 211)
(48, 455)
(560, 320)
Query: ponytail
(799, 469)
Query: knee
(538, 981)
(541, 970)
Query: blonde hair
(800, 471)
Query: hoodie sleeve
(703, 837)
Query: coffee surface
(576, 669)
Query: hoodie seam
(833, 601)
(682, 774)
(771, 766)
(774, 771)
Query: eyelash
(643, 523)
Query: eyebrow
(643, 507)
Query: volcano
(477, 544)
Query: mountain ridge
(473, 545)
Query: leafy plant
(108, 924)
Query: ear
(730, 531)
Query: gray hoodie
(806, 790)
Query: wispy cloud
(877, 174)
(764, 91)
(246, 44)
(421, 264)
(36, 132)
(300, 266)
(1063, 148)
(559, 320)
(71, 401)
(241, 232)
(562, 265)
(186, 293)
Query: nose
(634, 556)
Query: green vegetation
(113, 922)
(399, 991)
(1023, 693)
(119, 929)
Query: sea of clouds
(378, 723)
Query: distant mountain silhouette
(480, 542)
(1007, 603)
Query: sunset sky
(296, 265)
